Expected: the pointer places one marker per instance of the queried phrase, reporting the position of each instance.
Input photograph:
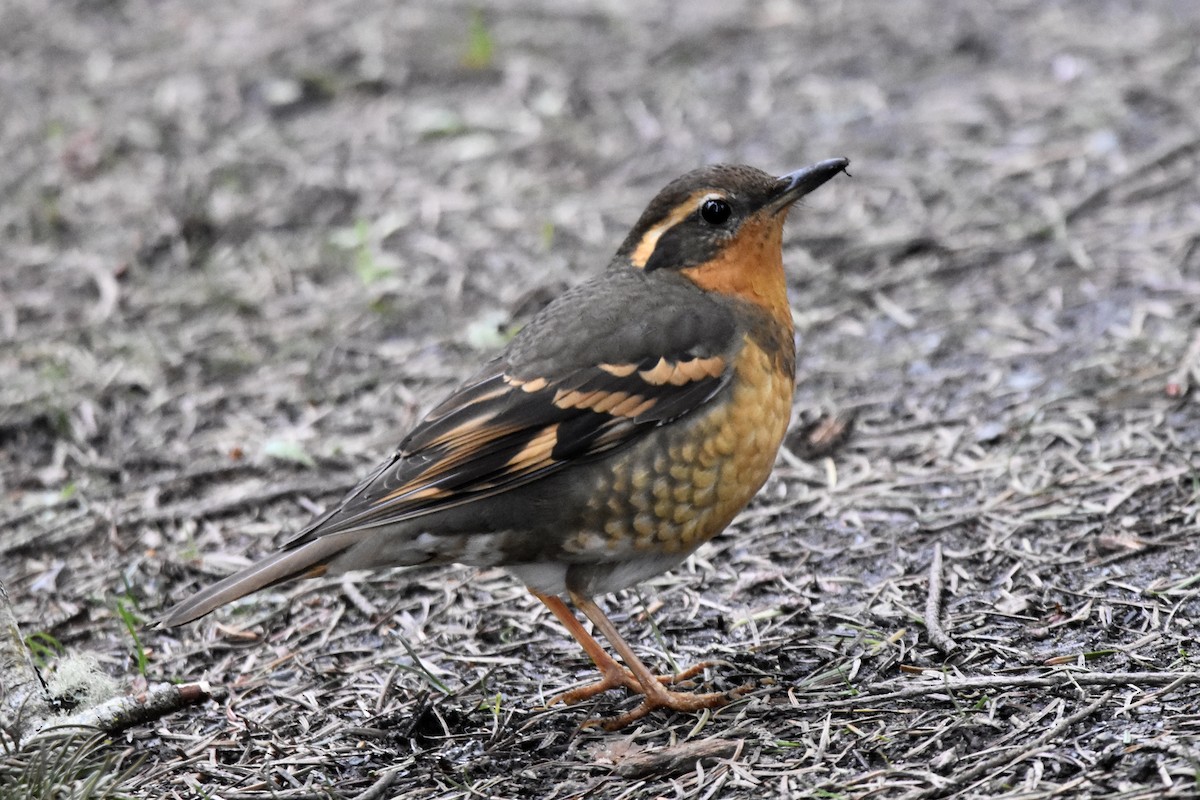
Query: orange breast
(686, 483)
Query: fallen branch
(933, 606)
(378, 789)
(678, 759)
(125, 712)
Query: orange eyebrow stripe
(641, 254)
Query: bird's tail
(309, 560)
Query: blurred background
(244, 246)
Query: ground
(245, 245)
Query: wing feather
(502, 430)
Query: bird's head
(721, 227)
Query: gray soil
(243, 246)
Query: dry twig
(933, 606)
(124, 712)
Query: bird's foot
(657, 696)
(614, 676)
(653, 697)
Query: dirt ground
(245, 245)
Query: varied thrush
(624, 426)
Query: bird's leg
(614, 675)
(650, 686)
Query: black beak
(796, 184)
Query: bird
(627, 423)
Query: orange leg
(614, 675)
(638, 678)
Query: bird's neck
(751, 269)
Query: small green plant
(494, 705)
(132, 624)
(480, 49)
(365, 264)
(363, 242)
(44, 648)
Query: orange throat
(750, 268)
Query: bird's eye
(715, 211)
